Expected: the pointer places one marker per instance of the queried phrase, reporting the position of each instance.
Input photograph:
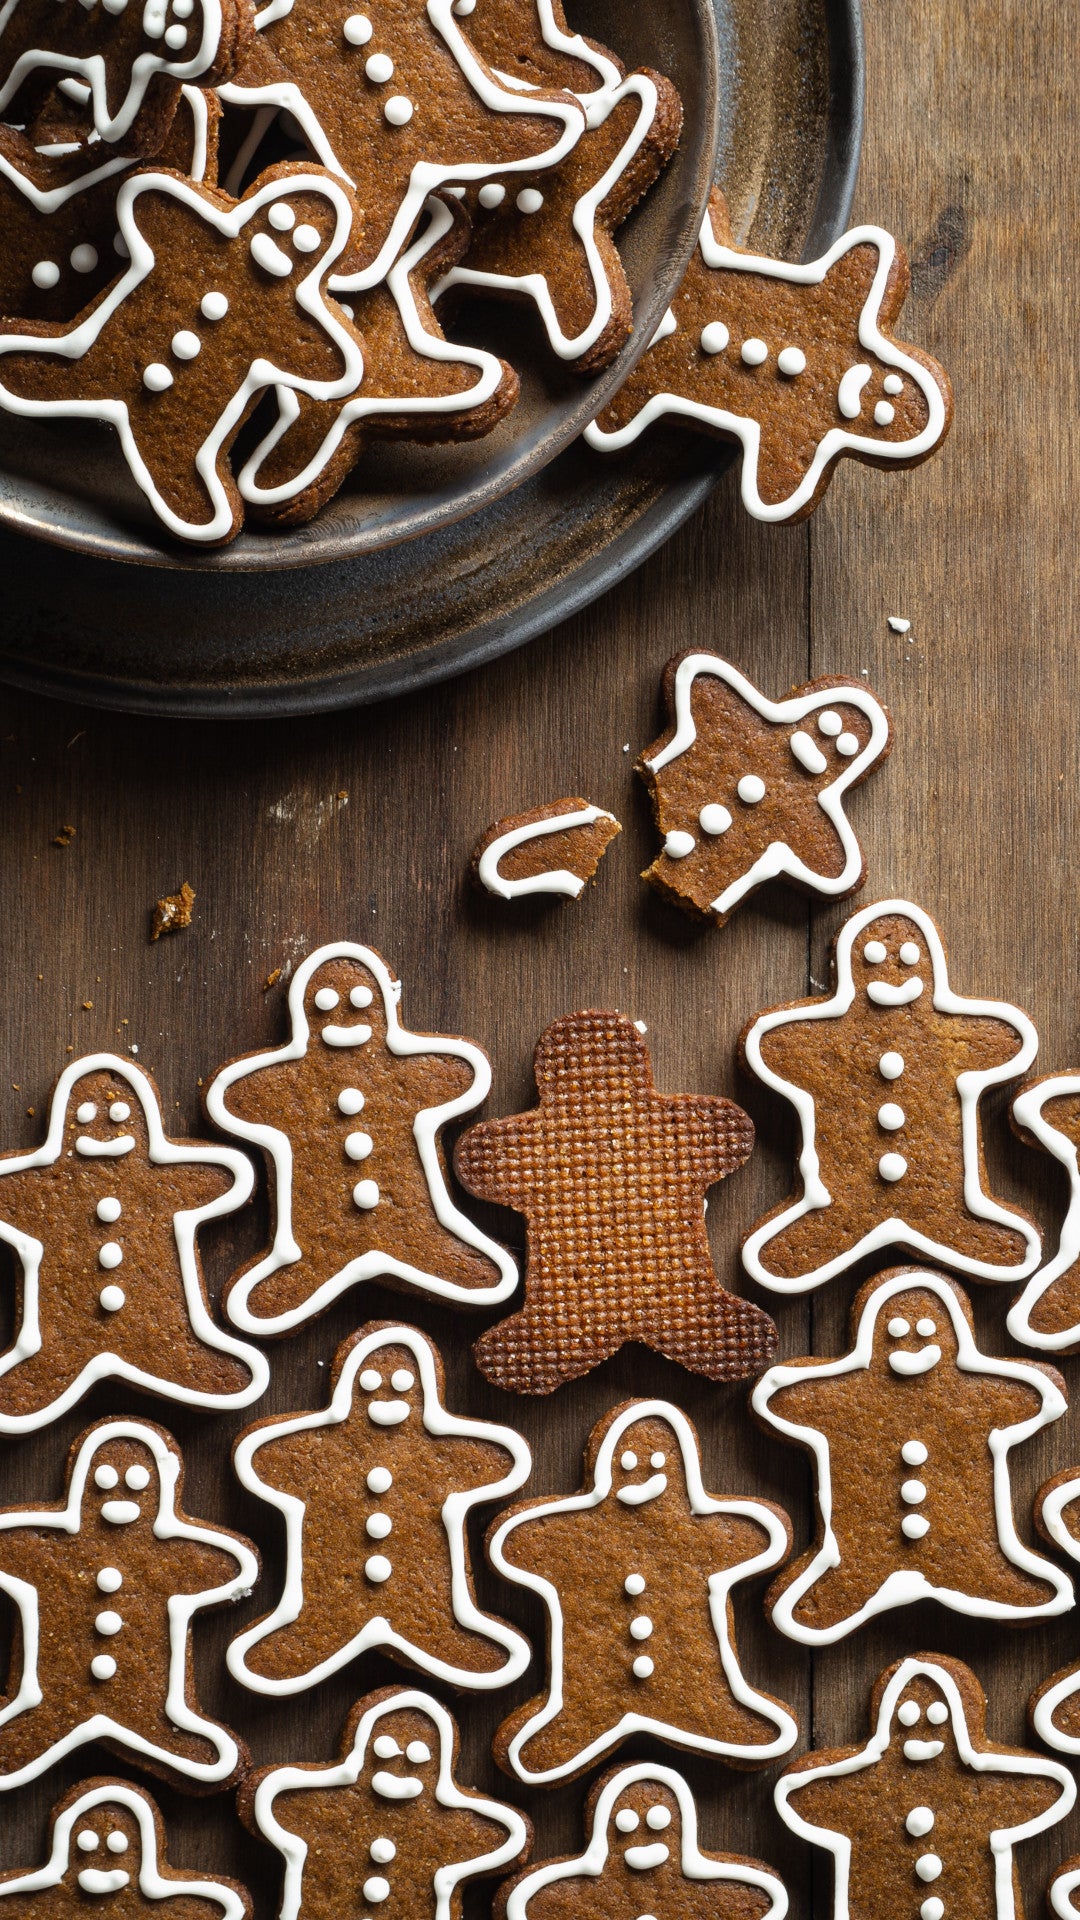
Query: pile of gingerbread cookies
(910, 1433)
(235, 236)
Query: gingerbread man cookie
(348, 1115)
(918, 1413)
(552, 849)
(1046, 1114)
(637, 1574)
(643, 1855)
(103, 1218)
(107, 1587)
(107, 1850)
(389, 1822)
(221, 300)
(796, 364)
(376, 1492)
(925, 1818)
(886, 1074)
(1055, 1706)
(746, 789)
(611, 1177)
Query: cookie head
(389, 1387)
(827, 741)
(106, 1850)
(881, 402)
(603, 1053)
(343, 1003)
(291, 231)
(122, 1494)
(647, 1464)
(913, 1334)
(891, 963)
(178, 33)
(403, 1753)
(928, 1721)
(645, 1833)
(104, 1116)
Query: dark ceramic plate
(214, 640)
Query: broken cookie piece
(551, 849)
(173, 912)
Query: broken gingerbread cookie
(1046, 1115)
(550, 849)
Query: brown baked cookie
(886, 1075)
(388, 1822)
(133, 59)
(643, 1854)
(550, 238)
(398, 100)
(59, 208)
(797, 364)
(1055, 1706)
(910, 1436)
(532, 42)
(746, 789)
(103, 1220)
(611, 1177)
(924, 1819)
(552, 849)
(637, 1573)
(348, 1114)
(107, 1586)
(1046, 1114)
(376, 1491)
(1064, 1886)
(107, 1855)
(416, 384)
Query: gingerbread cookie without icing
(886, 1075)
(107, 1852)
(925, 1818)
(103, 1220)
(551, 849)
(794, 363)
(643, 1853)
(637, 1573)
(107, 1586)
(389, 1822)
(611, 1177)
(1055, 1706)
(746, 789)
(376, 1492)
(348, 1115)
(1046, 1114)
(916, 1412)
(221, 300)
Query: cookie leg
(716, 1334)
(540, 1347)
(574, 1728)
(27, 1740)
(34, 1384)
(814, 1240)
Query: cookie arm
(989, 1042)
(785, 1047)
(488, 1161)
(714, 1132)
(800, 1402)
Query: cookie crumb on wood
(271, 979)
(64, 838)
(173, 912)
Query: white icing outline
(1064, 1884)
(93, 69)
(970, 1085)
(181, 1610)
(902, 1587)
(720, 1586)
(151, 1883)
(261, 373)
(778, 858)
(610, 74)
(276, 1145)
(378, 1631)
(1042, 1714)
(586, 210)
(1002, 1839)
(186, 1223)
(345, 1774)
(695, 1864)
(556, 879)
(430, 346)
(837, 440)
(1027, 1113)
(426, 175)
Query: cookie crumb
(898, 624)
(88, 1006)
(173, 912)
(271, 979)
(64, 838)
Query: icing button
(379, 68)
(376, 1889)
(642, 1667)
(350, 1100)
(913, 1493)
(913, 1453)
(792, 361)
(108, 1210)
(156, 377)
(890, 1116)
(641, 1628)
(357, 29)
(933, 1909)
(678, 844)
(378, 1568)
(110, 1255)
(529, 200)
(714, 818)
(634, 1583)
(103, 1666)
(382, 1851)
(112, 1299)
(398, 110)
(366, 1195)
(928, 1866)
(891, 1066)
(358, 1146)
(378, 1525)
(714, 337)
(753, 352)
(919, 1822)
(892, 1166)
(108, 1622)
(914, 1526)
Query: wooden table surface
(359, 826)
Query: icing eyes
(86, 1841)
(626, 1820)
(830, 723)
(628, 1462)
(307, 239)
(137, 1478)
(105, 1477)
(909, 954)
(386, 1747)
(117, 1843)
(898, 1328)
(119, 1110)
(908, 1713)
(281, 216)
(326, 999)
(657, 1459)
(360, 997)
(417, 1751)
(791, 361)
(874, 952)
(848, 745)
(370, 1380)
(937, 1713)
(402, 1380)
(269, 256)
(658, 1818)
(86, 1113)
(926, 1327)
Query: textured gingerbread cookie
(58, 202)
(643, 1855)
(552, 849)
(532, 44)
(746, 789)
(376, 1491)
(132, 59)
(1046, 1114)
(611, 1177)
(886, 1074)
(796, 364)
(103, 1219)
(398, 100)
(551, 240)
(1063, 1895)
(637, 1573)
(348, 1115)
(107, 1586)
(416, 384)
(388, 1823)
(221, 300)
(925, 1818)
(1055, 1706)
(107, 1854)
(916, 1413)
